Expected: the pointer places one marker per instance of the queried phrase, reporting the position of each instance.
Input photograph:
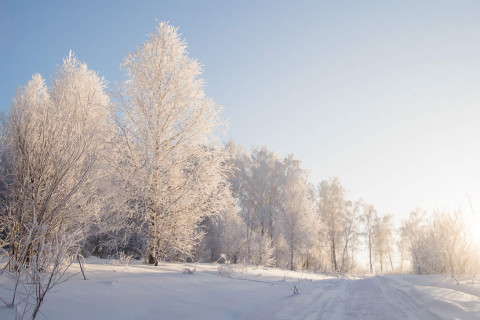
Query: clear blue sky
(384, 95)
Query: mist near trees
(141, 171)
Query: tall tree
(169, 132)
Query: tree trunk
(381, 262)
(291, 257)
(334, 258)
(370, 252)
(390, 257)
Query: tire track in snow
(369, 298)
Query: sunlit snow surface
(140, 291)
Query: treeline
(282, 220)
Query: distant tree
(382, 235)
(350, 234)
(331, 209)
(276, 204)
(368, 218)
(297, 210)
(410, 229)
(257, 182)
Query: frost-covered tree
(297, 210)
(350, 235)
(173, 167)
(409, 230)
(427, 252)
(441, 245)
(383, 239)
(224, 240)
(368, 218)
(256, 183)
(275, 202)
(455, 242)
(331, 209)
(54, 139)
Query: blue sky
(384, 95)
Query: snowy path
(378, 297)
(164, 292)
(370, 298)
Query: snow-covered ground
(140, 291)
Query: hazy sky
(385, 95)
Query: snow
(138, 291)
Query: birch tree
(349, 235)
(297, 209)
(276, 205)
(257, 183)
(331, 206)
(368, 217)
(172, 156)
(382, 239)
